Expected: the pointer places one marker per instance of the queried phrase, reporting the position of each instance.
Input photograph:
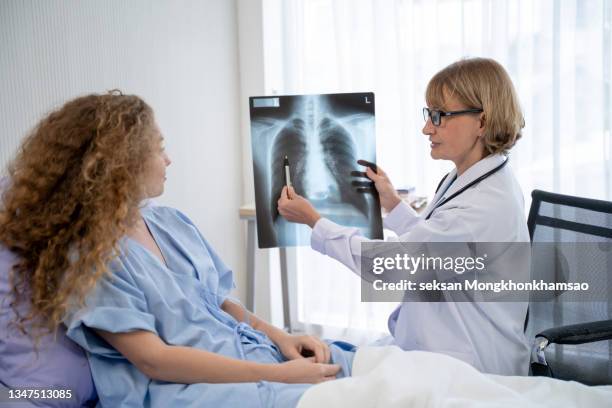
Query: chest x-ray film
(320, 137)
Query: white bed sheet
(389, 377)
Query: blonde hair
(75, 187)
(482, 83)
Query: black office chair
(572, 338)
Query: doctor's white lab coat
(487, 335)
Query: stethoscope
(478, 180)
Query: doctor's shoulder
(503, 187)
(497, 194)
(499, 200)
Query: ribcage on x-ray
(323, 136)
(290, 142)
(340, 155)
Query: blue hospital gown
(181, 304)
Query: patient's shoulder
(173, 221)
(164, 213)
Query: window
(558, 53)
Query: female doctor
(472, 118)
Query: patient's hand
(305, 370)
(297, 347)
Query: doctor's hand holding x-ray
(295, 208)
(473, 118)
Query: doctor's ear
(483, 121)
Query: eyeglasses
(436, 115)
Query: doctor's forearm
(312, 219)
(338, 242)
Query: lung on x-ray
(322, 137)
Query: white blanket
(389, 377)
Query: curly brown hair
(74, 189)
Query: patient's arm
(163, 362)
(292, 347)
(238, 313)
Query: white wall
(180, 56)
(268, 299)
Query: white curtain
(558, 53)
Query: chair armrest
(579, 333)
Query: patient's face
(155, 168)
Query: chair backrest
(562, 220)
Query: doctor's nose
(429, 128)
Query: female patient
(139, 288)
